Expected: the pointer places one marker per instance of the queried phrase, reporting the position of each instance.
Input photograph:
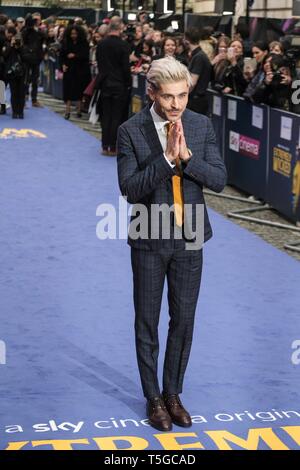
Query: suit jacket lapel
(150, 134)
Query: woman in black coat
(15, 74)
(74, 57)
(275, 89)
(232, 80)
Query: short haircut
(167, 70)
(115, 25)
(193, 35)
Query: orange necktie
(177, 188)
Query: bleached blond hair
(167, 70)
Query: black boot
(3, 109)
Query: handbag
(89, 91)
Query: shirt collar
(195, 51)
(158, 121)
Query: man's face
(20, 24)
(157, 36)
(74, 35)
(170, 99)
(8, 35)
(187, 43)
(37, 19)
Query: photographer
(275, 90)
(233, 77)
(15, 74)
(145, 59)
(137, 45)
(220, 64)
(260, 53)
(33, 40)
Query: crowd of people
(105, 56)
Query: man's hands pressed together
(176, 145)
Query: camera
(292, 50)
(130, 33)
(277, 77)
(18, 40)
(277, 63)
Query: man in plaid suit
(166, 155)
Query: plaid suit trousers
(182, 269)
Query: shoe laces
(173, 400)
(157, 402)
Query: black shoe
(158, 415)
(21, 116)
(3, 109)
(15, 116)
(176, 410)
(67, 116)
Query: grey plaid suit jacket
(145, 177)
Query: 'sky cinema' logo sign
(244, 145)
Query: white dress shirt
(160, 126)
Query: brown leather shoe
(37, 104)
(176, 410)
(158, 416)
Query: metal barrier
(52, 78)
(260, 146)
(138, 93)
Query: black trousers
(17, 91)
(114, 104)
(182, 269)
(32, 76)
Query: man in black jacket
(200, 70)
(33, 55)
(115, 82)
